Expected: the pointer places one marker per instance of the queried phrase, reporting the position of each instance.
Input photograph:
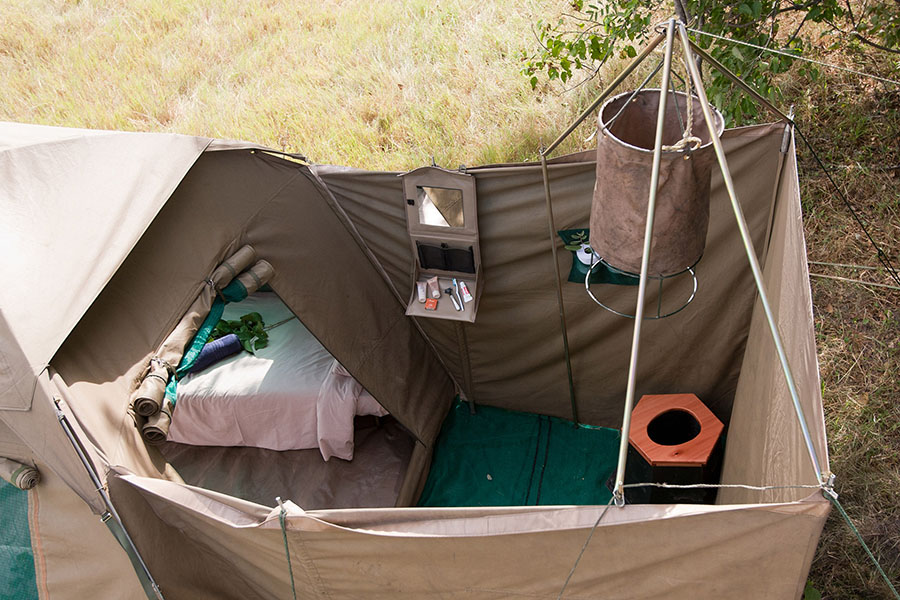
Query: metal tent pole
(550, 220)
(111, 517)
(551, 224)
(618, 491)
(651, 45)
(738, 82)
(751, 253)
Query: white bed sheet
(291, 395)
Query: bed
(290, 395)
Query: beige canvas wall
(515, 346)
(76, 557)
(765, 442)
(67, 539)
(203, 545)
(40, 429)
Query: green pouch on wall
(576, 240)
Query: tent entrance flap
(498, 457)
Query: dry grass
(369, 84)
(855, 124)
(388, 85)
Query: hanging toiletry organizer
(442, 220)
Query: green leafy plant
(811, 593)
(593, 31)
(576, 239)
(250, 330)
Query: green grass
(388, 85)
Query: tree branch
(874, 44)
(682, 12)
(796, 31)
(854, 33)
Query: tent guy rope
(859, 281)
(833, 497)
(794, 56)
(287, 549)
(827, 491)
(882, 256)
(584, 547)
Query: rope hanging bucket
(627, 131)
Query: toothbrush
(462, 305)
(449, 292)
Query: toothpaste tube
(467, 297)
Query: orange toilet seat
(693, 452)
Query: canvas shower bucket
(626, 135)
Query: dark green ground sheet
(16, 559)
(498, 457)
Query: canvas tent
(108, 239)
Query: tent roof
(56, 184)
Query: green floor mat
(17, 581)
(498, 457)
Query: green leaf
(757, 9)
(596, 52)
(248, 327)
(580, 49)
(602, 29)
(811, 593)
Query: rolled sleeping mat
(257, 276)
(152, 391)
(217, 350)
(233, 265)
(156, 429)
(22, 476)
